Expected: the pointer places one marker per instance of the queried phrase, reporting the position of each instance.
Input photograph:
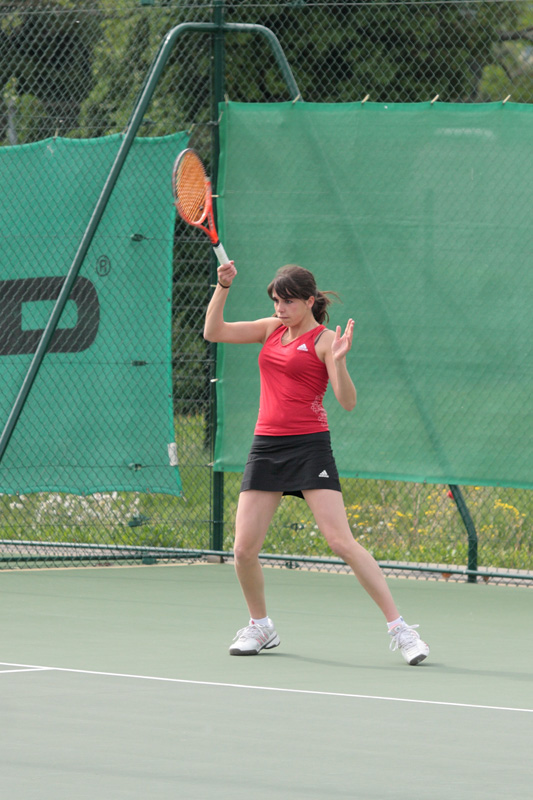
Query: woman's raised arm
(216, 329)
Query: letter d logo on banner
(14, 294)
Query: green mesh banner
(99, 415)
(420, 217)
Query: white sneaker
(408, 642)
(251, 640)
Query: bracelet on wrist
(224, 287)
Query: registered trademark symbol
(103, 265)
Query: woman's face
(292, 311)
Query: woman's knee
(343, 545)
(245, 551)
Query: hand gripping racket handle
(221, 253)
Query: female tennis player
(291, 451)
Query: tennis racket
(193, 197)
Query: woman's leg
(328, 510)
(254, 514)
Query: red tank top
(293, 383)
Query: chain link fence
(73, 70)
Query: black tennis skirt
(290, 464)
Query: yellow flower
(506, 507)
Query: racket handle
(221, 253)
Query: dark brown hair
(294, 282)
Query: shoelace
(250, 632)
(404, 637)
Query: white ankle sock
(395, 622)
(263, 621)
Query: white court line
(23, 669)
(34, 668)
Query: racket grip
(221, 253)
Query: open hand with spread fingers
(342, 344)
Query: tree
(511, 73)
(45, 66)
(395, 52)
(122, 58)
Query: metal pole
(217, 534)
(470, 529)
(218, 50)
(277, 50)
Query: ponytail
(320, 306)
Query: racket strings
(190, 189)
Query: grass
(416, 522)
(394, 521)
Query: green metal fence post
(218, 51)
(277, 50)
(470, 529)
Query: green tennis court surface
(116, 683)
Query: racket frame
(207, 213)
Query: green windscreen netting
(421, 218)
(99, 416)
